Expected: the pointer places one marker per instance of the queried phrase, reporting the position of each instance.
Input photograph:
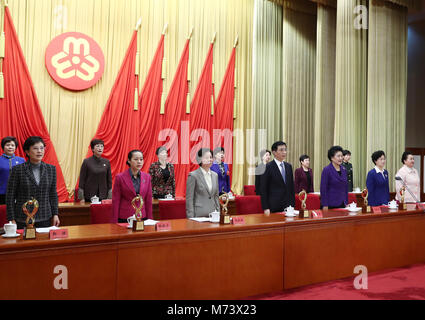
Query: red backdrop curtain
(171, 121)
(119, 124)
(200, 111)
(150, 105)
(20, 113)
(223, 116)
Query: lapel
(276, 168)
(335, 173)
(204, 182)
(29, 173)
(129, 182)
(43, 172)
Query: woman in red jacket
(127, 185)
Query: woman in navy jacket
(334, 183)
(377, 181)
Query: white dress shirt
(208, 179)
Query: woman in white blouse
(410, 177)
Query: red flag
(119, 125)
(171, 121)
(150, 105)
(223, 116)
(200, 111)
(20, 113)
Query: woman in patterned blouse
(162, 174)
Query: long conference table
(207, 260)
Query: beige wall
(415, 115)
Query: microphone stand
(404, 184)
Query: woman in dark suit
(377, 181)
(261, 168)
(95, 175)
(304, 176)
(128, 185)
(334, 183)
(162, 175)
(33, 179)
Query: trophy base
(303, 214)
(402, 206)
(138, 225)
(366, 209)
(29, 233)
(225, 219)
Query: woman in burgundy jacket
(304, 176)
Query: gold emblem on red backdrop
(75, 61)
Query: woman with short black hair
(377, 181)
(222, 170)
(304, 176)
(334, 184)
(162, 175)
(7, 161)
(95, 175)
(33, 179)
(410, 177)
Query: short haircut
(201, 153)
(263, 152)
(7, 140)
(95, 142)
(32, 141)
(345, 152)
(130, 155)
(405, 155)
(303, 157)
(332, 151)
(160, 149)
(277, 144)
(217, 150)
(376, 155)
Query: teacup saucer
(354, 210)
(10, 236)
(392, 208)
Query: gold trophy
(224, 200)
(402, 205)
(303, 198)
(29, 230)
(138, 224)
(365, 207)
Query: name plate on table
(58, 234)
(376, 210)
(107, 201)
(317, 214)
(420, 206)
(163, 226)
(238, 220)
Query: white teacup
(131, 219)
(94, 199)
(392, 204)
(356, 189)
(214, 216)
(352, 205)
(290, 210)
(10, 229)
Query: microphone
(402, 181)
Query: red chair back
(101, 213)
(352, 197)
(248, 204)
(172, 209)
(3, 215)
(313, 202)
(249, 190)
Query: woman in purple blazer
(127, 185)
(304, 176)
(334, 183)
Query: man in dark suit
(277, 184)
(33, 179)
